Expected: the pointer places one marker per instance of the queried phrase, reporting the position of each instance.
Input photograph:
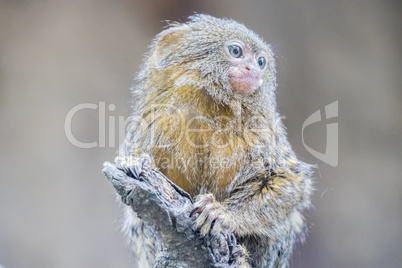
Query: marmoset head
(220, 56)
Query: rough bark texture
(166, 207)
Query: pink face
(245, 74)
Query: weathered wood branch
(166, 207)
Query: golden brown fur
(226, 149)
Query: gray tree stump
(166, 207)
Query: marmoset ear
(167, 44)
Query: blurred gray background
(58, 210)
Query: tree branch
(166, 207)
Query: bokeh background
(58, 210)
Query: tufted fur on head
(194, 54)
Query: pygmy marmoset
(205, 113)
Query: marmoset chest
(203, 153)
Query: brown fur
(258, 192)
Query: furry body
(228, 150)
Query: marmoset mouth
(245, 83)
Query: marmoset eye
(262, 62)
(235, 51)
